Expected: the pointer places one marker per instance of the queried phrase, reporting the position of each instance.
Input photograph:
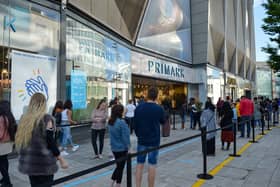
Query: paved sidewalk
(258, 166)
(179, 164)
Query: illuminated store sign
(166, 69)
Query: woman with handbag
(36, 145)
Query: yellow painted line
(218, 168)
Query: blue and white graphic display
(78, 89)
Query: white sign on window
(32, 73)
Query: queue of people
(42, 139)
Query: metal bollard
(128, 171)
(204, 175)
(268, 122)
(253, 132)
(263, 121)
(234, 141)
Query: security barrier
(129, 157)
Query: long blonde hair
(29, 121)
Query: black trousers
(41, 180)
(94, 134)
(118, 172)
(130, 124)
(4, 169)
(210, 146)
(197, 119)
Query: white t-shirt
(64, 116)
(130, 111)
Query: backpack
(57, 117)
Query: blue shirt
(119, 136)
(147, 119)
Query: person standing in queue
(246, 111)
(36, 145)
(208, 121)
(56, 113)
(7, 137)
(98, 128)
(148, 117)
(183, 110)
(119, 140)
(66, 119)
(226, 121)
(129, 115)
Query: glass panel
(175, 91)
(214, 84)
(264, 82)
(28, 27)
(36, 27)
(104, 62)
(166, 28)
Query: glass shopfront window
(176, 92)
(264, 82)
(214, 84)
(231, 86)
(29, 46)
(96, 68)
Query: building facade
(90, 50)
(223, 37)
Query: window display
(104, 64)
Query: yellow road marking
(214, 171)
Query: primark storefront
(66, 54)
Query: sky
(260, 37)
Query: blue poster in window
(78, 89)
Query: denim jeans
(66, 137)
(258, 123)
(152, 156)
(245, 120)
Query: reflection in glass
(37, 27)
(166, 28)
(36, 31)
(105, 63)
(264, 82)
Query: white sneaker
(64, 153)
(100, 156)
(75, 147)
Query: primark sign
(165, 69)
(149, 66)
